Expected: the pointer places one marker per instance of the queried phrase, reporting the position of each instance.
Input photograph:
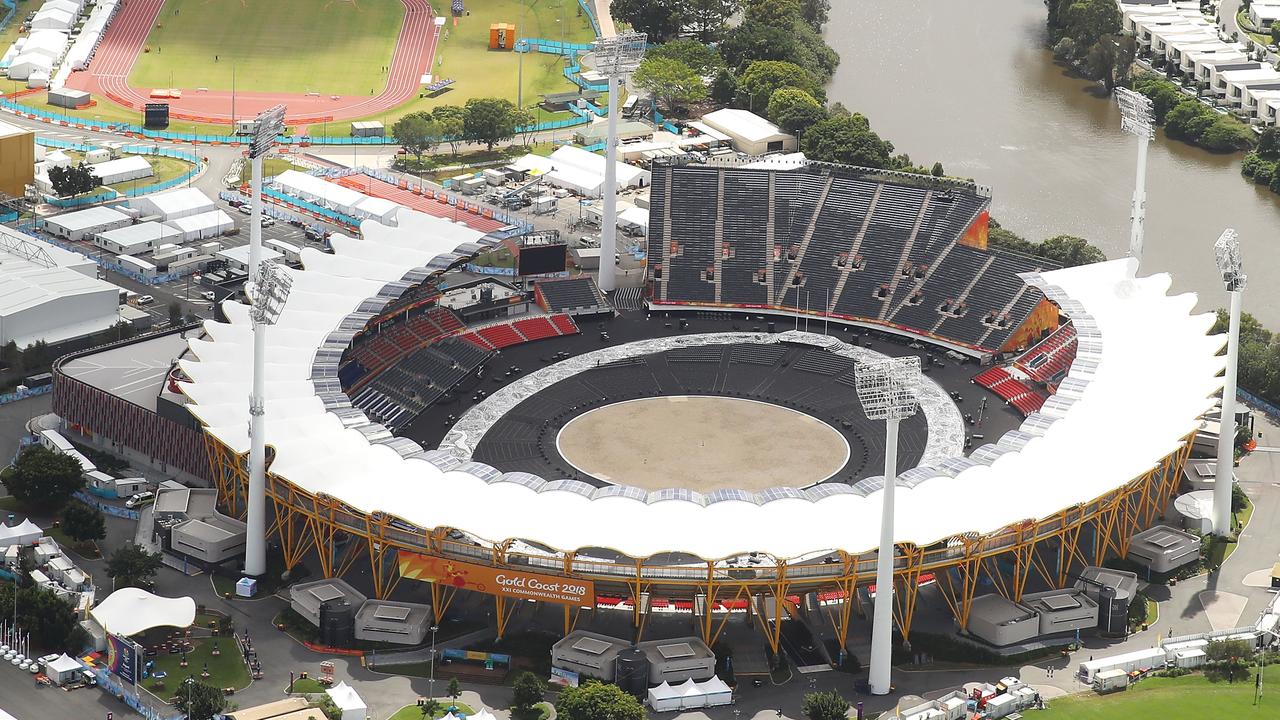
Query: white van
(140, 499)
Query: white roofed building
(129, 167)
(203, 225)
(174, 204)
(750, 133)
(137, 239)
(82, 224)
(45, 296)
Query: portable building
(66, 97)
(137, 265)
(1128, 662)
(174, 204)
(750, 133)
(203, 225)
(83, 224)
(367, 128)
(136, 239)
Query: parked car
(245, 208)
(145, 299)
(208, 295)
(268, 222)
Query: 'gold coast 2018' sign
(497, 581)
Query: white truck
(1110, 681)
(1149, 659)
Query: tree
(937, 170)
(1070, 251)
(815, 12)
(703, 58)
(594, 700)
(175, 313)
(527, 691)
(455, 689)
(1188, 120)
(762, 78)
(708, 17)
(671, 82)
(83, 523)
(526, 125)
(1226, 134)
(757, 41)
(795, 110)
(72, 180)
(846, 139)
(660, 19)
(773, 12)
(1088, 21)
(431, 708)
(1268, 144)
(50, 619)
(452, 120)
(825, 706)
(489, 121)
(132, 566)
(10, 355)
(417, 132)
(199, 701)
(43, 480)
(1163, 94)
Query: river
(970, 83)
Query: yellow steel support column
(905, 601)
(1022, 552)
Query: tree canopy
(597, 701)
(132, 566)
(762, 78)
(199, 701)
(846, 139)
(418, 132)
(702, 57)
(490, 121)
(83, 523)
(452, 121)
(1065, 250)
(671, 81)
(72, 180)
(50, 619)
(527, 691)
(41, 479)
(660, 19)
(825, 706)
(795, 110)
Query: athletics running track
(108, 74)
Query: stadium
(694, 446)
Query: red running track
(377, 188)
(108, 74)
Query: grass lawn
(306, 686)
(412, 712)
(1184, 698)
(225, 670)
(270, 167)
(9, 503)
(335, 47)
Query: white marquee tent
(24, 533)
(348, 701)
(129, 611)
(690, 694)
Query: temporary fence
(590, 11)
(10, 9)
(6, 398)
(135, 190)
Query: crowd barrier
(108, 508)
(1257, 403)
(108, 684)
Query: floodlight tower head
(268, 291)
(620, 55)
(889, 389)
(1226, 250)
(268, 126)
(1136, 116)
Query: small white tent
(348, 701)
(716, 691)
(62, 670)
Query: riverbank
(977, 89)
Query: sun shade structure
(129, 611)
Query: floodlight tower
(1136, 118)
(888, 390)
(269, 287)
(616, 57)
(1227, 252)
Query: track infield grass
(334, 47)
(1189, 697)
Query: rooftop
(743, 123)
(88, 218)
(135, 372)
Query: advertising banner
(122, 658)
(498, 581)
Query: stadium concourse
(900, 262)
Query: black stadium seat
(853, 243)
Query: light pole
(431, 683)
(888, 390)
(615, 57)
(270, 289)
(1226, 251)
(1136, 119)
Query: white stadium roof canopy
(1139, 348)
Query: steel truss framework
(1086, 534)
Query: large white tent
(24, 533)
(690, 694)
(203, 225)
(174, 204)
(348, 701)
(129, 611)
(336, 197)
